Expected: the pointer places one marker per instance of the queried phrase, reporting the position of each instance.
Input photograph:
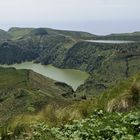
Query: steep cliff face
(55, 49)
(11, 53)
(35, 44)
(107, 64)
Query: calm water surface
(71, 77)
(110, 41)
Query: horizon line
(71, 30)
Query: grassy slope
(19, 32)
(17, 85)
(4, 35)
(22, 32)
(125, 97)
(127, 91)
(127, 34)
(12, 78)
(24, 91)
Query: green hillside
(4, 35)
(107, 64)
(98, 118)
(135, 36)
(17, 33)
(24, 91)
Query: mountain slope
(67, 49)
(103, 117)
(24, 91)
(4, 35)
(17, 33)
(106, 63)
(123, 97)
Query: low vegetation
(101, 126)
(112, 115)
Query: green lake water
(72, 77)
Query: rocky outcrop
(66, 88)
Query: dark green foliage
(108, 64)
(10, 54)
(39, 31)
(100, 125)
(4, 35)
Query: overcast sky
(95, 16)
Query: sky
(94, 16)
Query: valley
(55, 77)
(65, 49)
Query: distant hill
(4, 35)
(19, 32)
(16, 32)
(135, 36)
(127, 34)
